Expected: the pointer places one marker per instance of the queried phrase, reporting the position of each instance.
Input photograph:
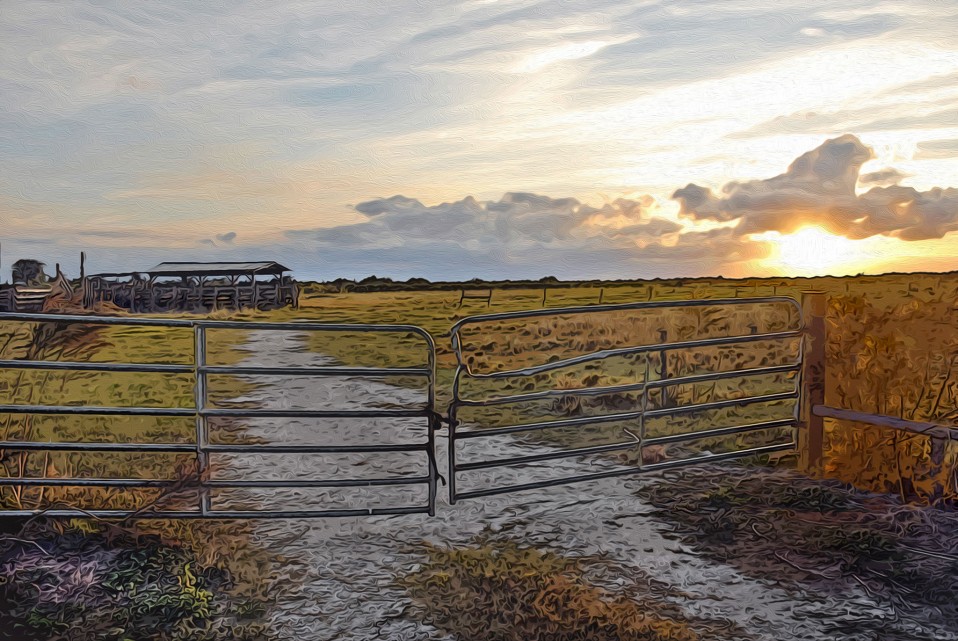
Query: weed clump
(499, 590)
(93, 585)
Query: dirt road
(340, 572)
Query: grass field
(892, 349)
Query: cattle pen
(196, 287)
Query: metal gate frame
(201, 412)
(640, 442)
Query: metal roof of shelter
(221, 269)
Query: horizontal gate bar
(179, 411)
(97, 447)
(720, 431)
(630, 387)
(96, 410)
(311, 514)
(547, 456)
(714, 405)
(294, 326)
(218, 514)
(84, 482)
(278, 413)
(239, 483)
(165, 368)
(238, 448)
(628, 351)
(724, 456)
(86, 366)
(138, 321)
(718, 376)
(617, 307)
(281, 483)
(492, 491)
(621, 472)
(623, 416)
(542, 425)
(315, 371)
(253, 448)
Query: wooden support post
(544, 293)
(811, 434)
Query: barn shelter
(196, 287)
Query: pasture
(892, 349)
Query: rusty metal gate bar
(201, 412)
(464, 371)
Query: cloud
(937, 149)
(523, 235)
(882, 177)
(819, 188)
(174, 122)
(517, 220)
(227, 238)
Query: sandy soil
(340, 572)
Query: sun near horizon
(814, 251)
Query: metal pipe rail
(637, 416)
(201, 412)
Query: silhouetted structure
(195, 287)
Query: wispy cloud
(268, 118)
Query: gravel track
(339, 576)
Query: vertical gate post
(811, 434)
(664, 369)
(199, 400)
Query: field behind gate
(892, 349)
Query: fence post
(811, 434)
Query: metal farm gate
(618, 414)
(197, 496)
(539, 398)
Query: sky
(482, 139)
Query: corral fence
(539, 398)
